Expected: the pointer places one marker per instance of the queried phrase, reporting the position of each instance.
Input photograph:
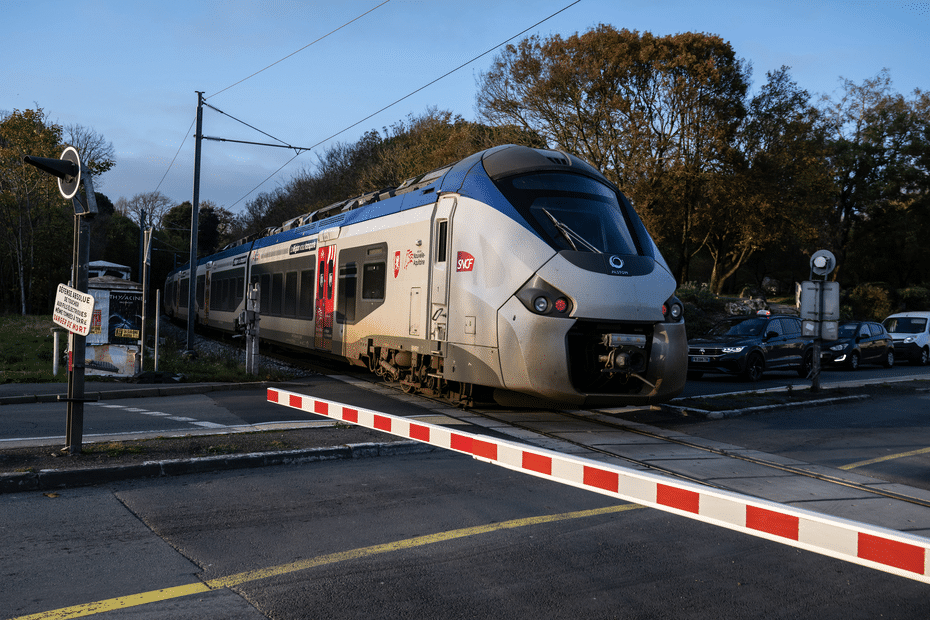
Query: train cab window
(442, 241)
(373, 281)
(305, 305)
(290, 293)
(277, 293)
(577, 213)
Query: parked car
(911, 334)
(750, 345)
(859, 342)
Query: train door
(439, 268)
(325, 306)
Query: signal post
(73, 306)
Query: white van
(911, 334)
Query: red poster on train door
(324, 297)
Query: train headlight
(540, 297)
(672, 310)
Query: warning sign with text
(73, 310)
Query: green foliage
(914, 298)
(209, 368)
(26, 350)
(872, 301)
(702, 307)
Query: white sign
(73, 310)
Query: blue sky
(129, 70)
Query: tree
(146, 208)
(31, 208)
(657, 114)
(213, 225)
(96, 152)
(869, 128)
(779, 184)
(882, 200)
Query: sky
(130, 70)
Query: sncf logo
(465, 262)
(396, 263)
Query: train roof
(499, 162)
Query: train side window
(277, 292)
(442, 241)
(185, 291)
(305, 307)
(200, 290)
(322, 292)
(348, 279)
(240, 291)
(290, 293)
(265, 286)
(373, 281)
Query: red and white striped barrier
(876, 547)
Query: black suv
(750, 345)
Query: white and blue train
(520, 273)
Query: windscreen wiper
(570, 235)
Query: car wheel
(755, 366)
(807, 366)
(889, 359)
(924, 358)
(854, 361)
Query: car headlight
(909, 340)
(732, 349)
(838, 347)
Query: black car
(859, 342)
(750, 345)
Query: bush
(914, 298)
(702, 308)
(872, 301)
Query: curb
(732, 413)
(144, 392)
(52, 479)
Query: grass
(26, 357)
(26, 350)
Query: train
(517, 275)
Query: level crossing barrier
(880, 548)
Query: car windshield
(574, 212)
(739, 327)
(905, 325)
(848, 331)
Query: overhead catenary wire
(300, 50)
(407, 96)
(187, 135)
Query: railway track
(582, 430)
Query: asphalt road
(435, 536)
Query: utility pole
(195, 208)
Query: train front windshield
(574, 212)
